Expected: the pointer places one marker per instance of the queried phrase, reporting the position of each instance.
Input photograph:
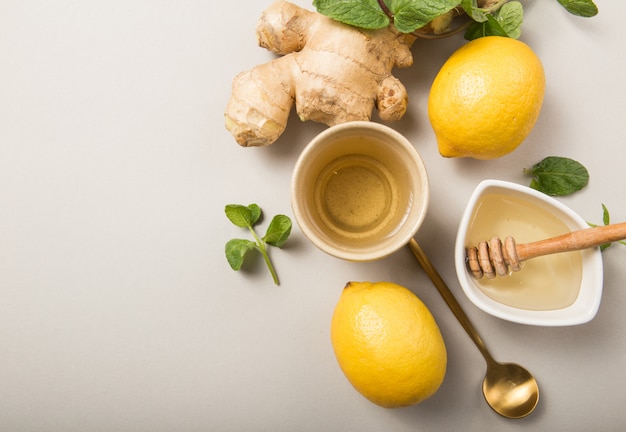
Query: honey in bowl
(545, 283)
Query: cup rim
(358, 128)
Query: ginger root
(332, 72)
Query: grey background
(118, 311)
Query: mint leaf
(278, 231)
(558, 176)
(473, 11)
(239, 215)
(255, 213)
(236, 250)
(490, 27)
(582, 8)
(243, 216)
(506, 22)
(365, 14)
(409, 15)
(606, 218)
(510, 16)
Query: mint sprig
(500, 17)
(247, 217)
(406, 15)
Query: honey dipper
(494, 258)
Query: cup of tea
(359, 191)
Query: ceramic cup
(359, 191)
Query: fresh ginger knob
(332, 72)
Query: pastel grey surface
(118, 310)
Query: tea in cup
(359, 191)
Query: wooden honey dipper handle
(496, 258)
(575, 240)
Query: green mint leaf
(243, 216)
(409, 15)
(236, 250)
(365, 14)
(239, 215)
(510, 16)
(582, 8)
(278, 231)
(491, 27)
(535, 184)
(606, 218)
(558, 176)
(473, 11)
(255, 213)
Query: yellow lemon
(486, 98)
(388, 344)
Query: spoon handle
(449, 298)
(575, 240)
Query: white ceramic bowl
(359, 191)
(586, 303)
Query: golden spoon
(494, 257)
(509, 389)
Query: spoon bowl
(509, 389)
